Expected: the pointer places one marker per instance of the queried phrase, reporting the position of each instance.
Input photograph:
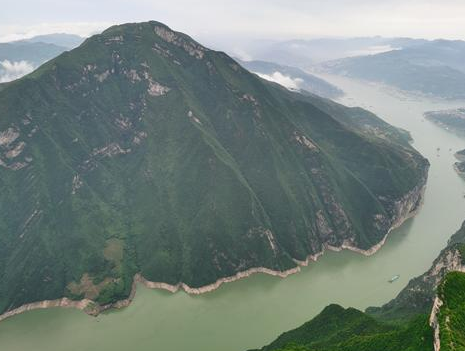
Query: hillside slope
(336, 328)
(144, 152)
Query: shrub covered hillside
(342, 329)
(142, 151)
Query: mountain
(293, 78)
(336, 328)
(433, 68)
(141, 151)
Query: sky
(215, 20)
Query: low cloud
(372, 50)
(13, 70)
(285, 81)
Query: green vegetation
(342, 329)
(452, 313)
(143, 151)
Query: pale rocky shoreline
(407, 208)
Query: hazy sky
(205, 20)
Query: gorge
(261, 307)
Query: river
(253, 311)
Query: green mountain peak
(141, 151)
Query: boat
(394, 278)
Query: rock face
(144, 152)
(434, 323)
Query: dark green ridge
(143, 151)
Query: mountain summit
(141, 151)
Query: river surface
(252, 312)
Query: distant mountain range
(433, 68)
(306, 53)
(21, 57)
(69, 41)
(293, 78)
(142, 153)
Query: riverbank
(406, 208)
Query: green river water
(252, 312)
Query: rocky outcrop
(434, 323)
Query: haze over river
(253, 311)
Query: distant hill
(452, 120)
(21, 57)
(69, 41)
(31, 52)
(293, 78)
